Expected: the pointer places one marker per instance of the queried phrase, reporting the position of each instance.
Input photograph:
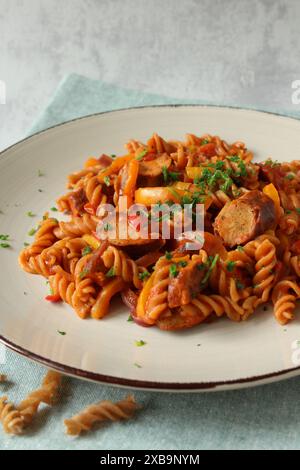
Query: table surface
(241, 52)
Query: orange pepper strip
(143, 297)
(115, 167)
(270, 191)
(91, 162)
(132, 171)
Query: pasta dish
(244, 254)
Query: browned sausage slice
(245, 218)
(151, 171)
(187, 284)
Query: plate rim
(137, 383)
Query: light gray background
(244, 52)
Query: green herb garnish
(182, 264)
(26, 244)
(137, 365)
(239, 285)
(4, 245)
(111, 272)
(83, 274)
(40, 173)
(30, 214)
(290, 176)
(144, 275)
(54, 209)
(168, 255)
(107, 227)
(240, 248)
(86, 251)
(141, 155)
(107, 180)
(230, 266)
(62, 333)
(173, 270)
(140, 343)
(4, 237)
(169, 175)
(130, 319)
(210, 270)
(32, 232)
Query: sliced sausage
(77, 200)
(187, 284)
(105, 161)
(245, 218)
(151, 171)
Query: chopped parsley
(107, 227)
(205, 142)
(32, 232)
(230, 266)
(240, 248)
(4, 245)
(168, 255)
(62, 333)
(113, 155)
(130, 319)
(169, 175)
(182, 264)
(107, 180)
(4, 237)
(290, 176)
(40, 173)
(83, 274)
(137, 365)
(54, 209)
(30, 214)
(144, 275)
(298, 210)
(140, 343)
(288, 212)
(269, 162)
(26, 244)
(239, 285)
(173, 270)
(210, 270)
(111, 272)
(40, 190)
(141, 155)
(86, 251)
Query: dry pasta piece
(11, 418)
(46, 394)
(102, 411)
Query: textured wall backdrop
(244, 52)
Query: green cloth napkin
(267, 417)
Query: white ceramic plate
(221, 355)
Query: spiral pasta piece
(208, 304)
(123, 266)
(157, 302)
(284, 297)
(102, 411)
(266, 260)
(77, 227)
(46, 394)
(12, 420)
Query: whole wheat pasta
(102, 411)
(46, 394)
(12, 420)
